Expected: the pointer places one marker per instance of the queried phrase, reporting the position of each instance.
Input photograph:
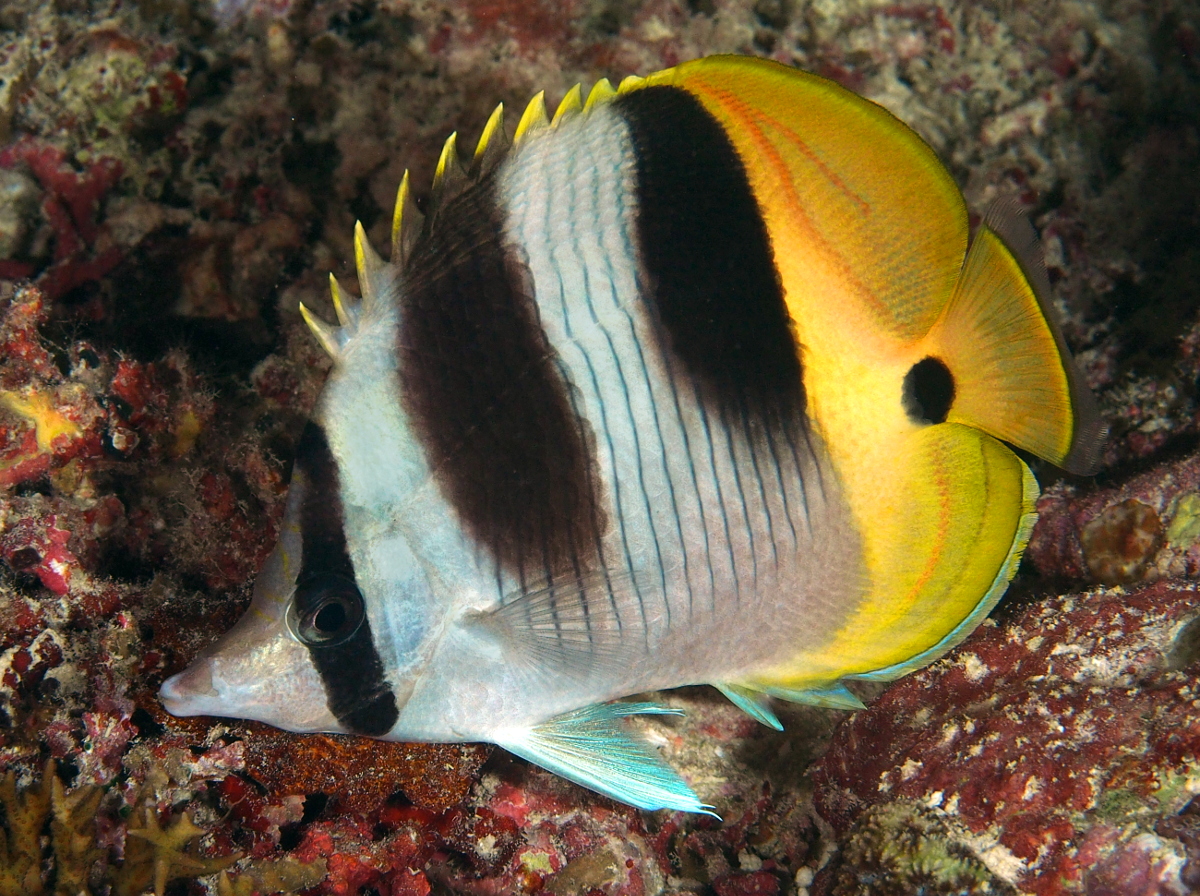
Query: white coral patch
(973, 667)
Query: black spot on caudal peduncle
(707, 256)
(928, 392)
(350, 667)
(481, 381)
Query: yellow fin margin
(448, 166)
(406, 222)
(328, 336)
(602, 91)
(370, 267)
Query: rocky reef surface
(176, 176)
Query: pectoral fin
(590, 747)
(581, 628)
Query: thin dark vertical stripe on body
(712, 287)
(351, 671)
(480, 380)
(662, 446)
(637, 449)
(612, 453)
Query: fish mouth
(191, 692)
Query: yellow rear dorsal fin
(1013, 376)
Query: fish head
(261, 669)
(328, 643)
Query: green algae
(1184, 529)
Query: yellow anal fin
(1013, 376)
(943, 548)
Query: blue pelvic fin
(836, 696)
(591, 747)
(753, 703)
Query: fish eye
(326, 610)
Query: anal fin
(753, 703)
(836, 696)
(591, 747)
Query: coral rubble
(176, 176)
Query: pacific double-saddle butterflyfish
(701, 381)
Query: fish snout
(191, 692)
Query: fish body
(698, 383)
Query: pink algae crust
(1058, 737)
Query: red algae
(1064, 726)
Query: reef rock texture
(177, 175)
(1057, 750)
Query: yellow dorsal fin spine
(345, 309)
(570, 106)
(533, 119)
(449, 167)
(372, 269)
(406, 223)
(602, 91)
(329, 336)
(493, 138)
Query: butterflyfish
(702, 380)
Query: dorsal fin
(570, 106)
(450, 177)
(533, 119)
(493, 143)
(406, 223)
(602, 91)
(630, 82)
(331, 338)
(374, 274)
(346, 309)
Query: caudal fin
(1012, 374)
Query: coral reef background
(175, 177)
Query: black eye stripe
(322, 528)
(350, 668)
